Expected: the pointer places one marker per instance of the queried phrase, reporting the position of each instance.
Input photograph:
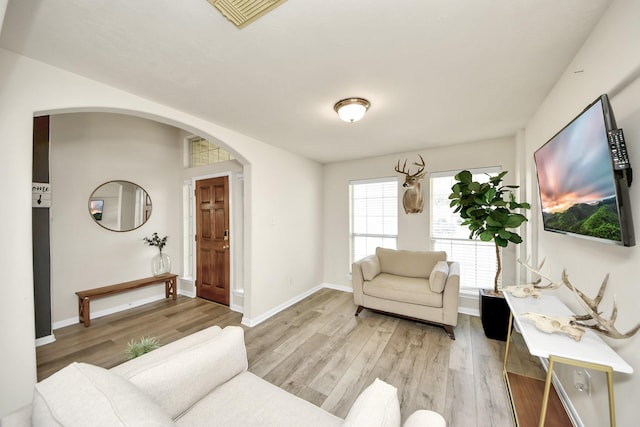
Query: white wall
(413, 229)
(609, 62)
(88, 149)
(283, 195)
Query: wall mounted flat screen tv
(584, 176)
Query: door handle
(225, 247)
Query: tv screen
(583, 177)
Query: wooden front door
(212, 239)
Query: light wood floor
(318, 350)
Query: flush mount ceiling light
(351, 109)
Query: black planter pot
(495, 315)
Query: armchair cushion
(370, 268)
(411, 290)
(438, 276)
(377, 405)
(408, 263)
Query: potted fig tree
(491, 212)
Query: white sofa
(419, 285)
(199, 380)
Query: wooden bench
(84, 297)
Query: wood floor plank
(460, 409)
(493, 408)
(318, 350)
(461, 355)
(357, 377)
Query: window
(374, 216)
(203, 152)
(477, 259)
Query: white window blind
(477, 259)
(374, 216)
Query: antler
(420, 165)
(536, 284)
(603, 325)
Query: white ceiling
(435, 71)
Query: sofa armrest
(18, 418)
(424, 418)
(451, 295)
(357, 279)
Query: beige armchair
(418, 285)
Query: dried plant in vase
(161, 263)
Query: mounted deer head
(412, 200)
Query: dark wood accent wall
(41, 232)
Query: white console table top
(591, 348)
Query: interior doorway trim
(233, 249)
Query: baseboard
(251, 322)
(45, 340)
(469, 311)
(190, 294)
(337, 287)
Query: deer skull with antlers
(412, 200)
(599, 323)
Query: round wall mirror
(120, 206)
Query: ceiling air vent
(243, 12)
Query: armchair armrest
(357, 278)
(451, 295)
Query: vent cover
(243, 12)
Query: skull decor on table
(412, 200)
(576, 325)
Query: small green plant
(145, 345)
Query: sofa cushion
(249, 401)
(82, 395)
(404, 289)
(438, 276)
(180, 381)
(370, 267)
(376, 406)
(408, 263)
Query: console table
(590, 352)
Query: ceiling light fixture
(351, 109)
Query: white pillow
(377, 405)
(370, 268)
(178, 382)
(438, 276)
(83, 395)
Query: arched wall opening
(90, 146)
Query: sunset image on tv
(577, 188)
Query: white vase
(160, 264)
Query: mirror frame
(148, 205)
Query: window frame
(483, 278)
(352, 234)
